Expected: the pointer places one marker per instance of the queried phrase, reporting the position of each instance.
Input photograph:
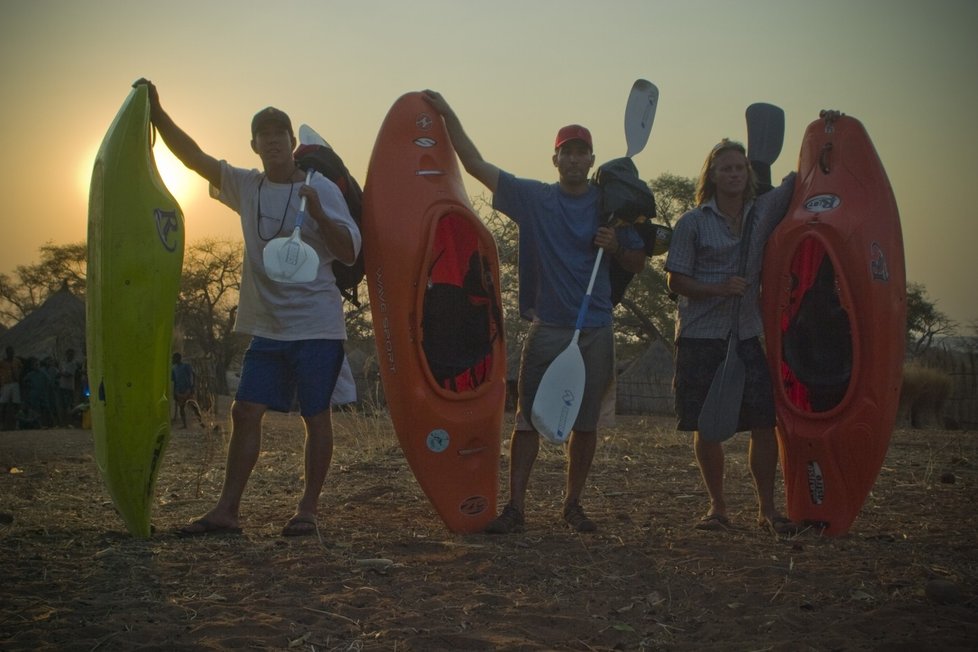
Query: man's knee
(245, 411)
(319, 422)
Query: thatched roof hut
(50, 330)
(645, 387)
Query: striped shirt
(705, 248)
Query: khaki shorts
(544, 343)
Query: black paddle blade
(765, 132)
(721, 410)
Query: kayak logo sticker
(166, 224)
(423, 122)
(822, 203)
(816, 483)
(438, 440)
(567, 397)
(425, 141)
(474, 505)
(877, 263)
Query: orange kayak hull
(432, 273)
(834, 306)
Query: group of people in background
(41, 392)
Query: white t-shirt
(267, 308)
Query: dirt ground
(384, 574)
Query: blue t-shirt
(182, 375)
(557, 252)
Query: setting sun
(84, 173)
(179, 180)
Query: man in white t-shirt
(297, 329)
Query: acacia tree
(206, 307)
(359, 325)
(924, 321)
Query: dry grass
(384, 574)
(923, 394)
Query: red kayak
(433, 276)
(834, 306)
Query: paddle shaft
(719, 415)
(302, 202)
(643, 100)
(307, 136)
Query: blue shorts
(275, 373)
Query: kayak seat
(461, 319)
(817, 345)
(455, 332)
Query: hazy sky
(515, 71)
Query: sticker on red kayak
(816, 483)
(424, 121)
(437, 441)
(877, 264)
(425, 141)
(474, 505)
(822, 203)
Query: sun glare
(177, 178)
(85, 170)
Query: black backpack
(626, 198)
(329, 164)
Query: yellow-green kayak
(135, 254)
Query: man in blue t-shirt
(560, 228)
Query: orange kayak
(834, 306)
(433, 276)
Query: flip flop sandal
(713, 523)
(299, 526)
(203, 527)
(780, 525)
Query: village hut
(55, 326)
(645, 386)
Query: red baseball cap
(573, 132)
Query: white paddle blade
(558, 398)
(308, 136)
(765, 132)
(639, 115)
(721, 409)
(290, 260)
